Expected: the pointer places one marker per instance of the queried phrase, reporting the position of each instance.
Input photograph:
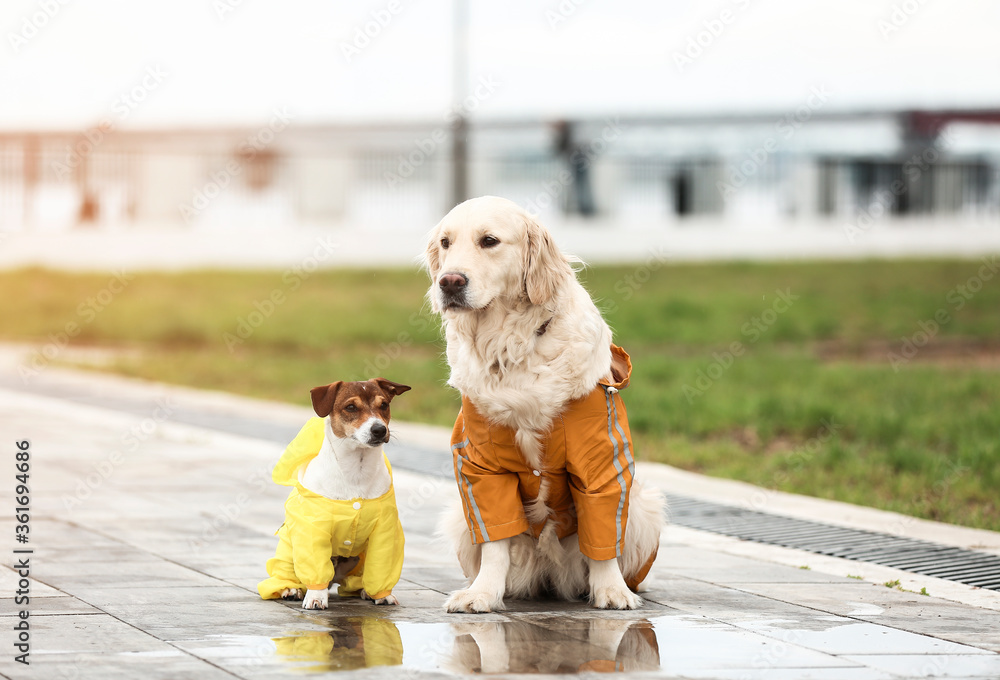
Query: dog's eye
(351, 407)
(384, 406)
(489, 241)
(445, 243)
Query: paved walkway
(150, 533)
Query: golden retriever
(524, 340)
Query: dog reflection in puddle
(565, 645)
(354, 643)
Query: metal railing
(55, 182)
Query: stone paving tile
(852, 637)
(58, 532)
(48, 606)
(444, 580)
(171, 664)
(169, 613)
(81, 633)
(855, 673)
(76, 555)
(692, 644)
(707, 565)
(9, 580)
(906, 611)
(726, 602)
(71, 577)
(934, 665)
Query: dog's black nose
(452, 283)
(379, 431)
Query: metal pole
(460, 127)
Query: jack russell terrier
(341, 523)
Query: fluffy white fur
(516, 281)
(345, 468)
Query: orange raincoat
(589, 464)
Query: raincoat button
(357, 505)
(347, 542)
(536, 473)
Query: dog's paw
(292, 594)
(473, 602)
(388, 599)
(315, 599)
(615, 597)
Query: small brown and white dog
(341, 522)
(524, 343)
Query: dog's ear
(545, 266)
(323, 398)
(432, 259)
(390, 388)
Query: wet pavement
(149, 535)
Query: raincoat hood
(304, 448)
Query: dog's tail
(642, 533)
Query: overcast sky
(234, 61)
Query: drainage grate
(920, 557)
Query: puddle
(571, 646)
(524, 643)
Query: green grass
(808, 401)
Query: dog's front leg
(316, 599)
(486, 592)
(607, 586)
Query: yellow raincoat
(317, 529)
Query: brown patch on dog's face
(358, 410)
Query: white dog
(543, 455)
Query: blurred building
(806, 167)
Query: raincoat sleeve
(384, 556)
(311, 553)
(601, 464)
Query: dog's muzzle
(379, 434)
(453, 288)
